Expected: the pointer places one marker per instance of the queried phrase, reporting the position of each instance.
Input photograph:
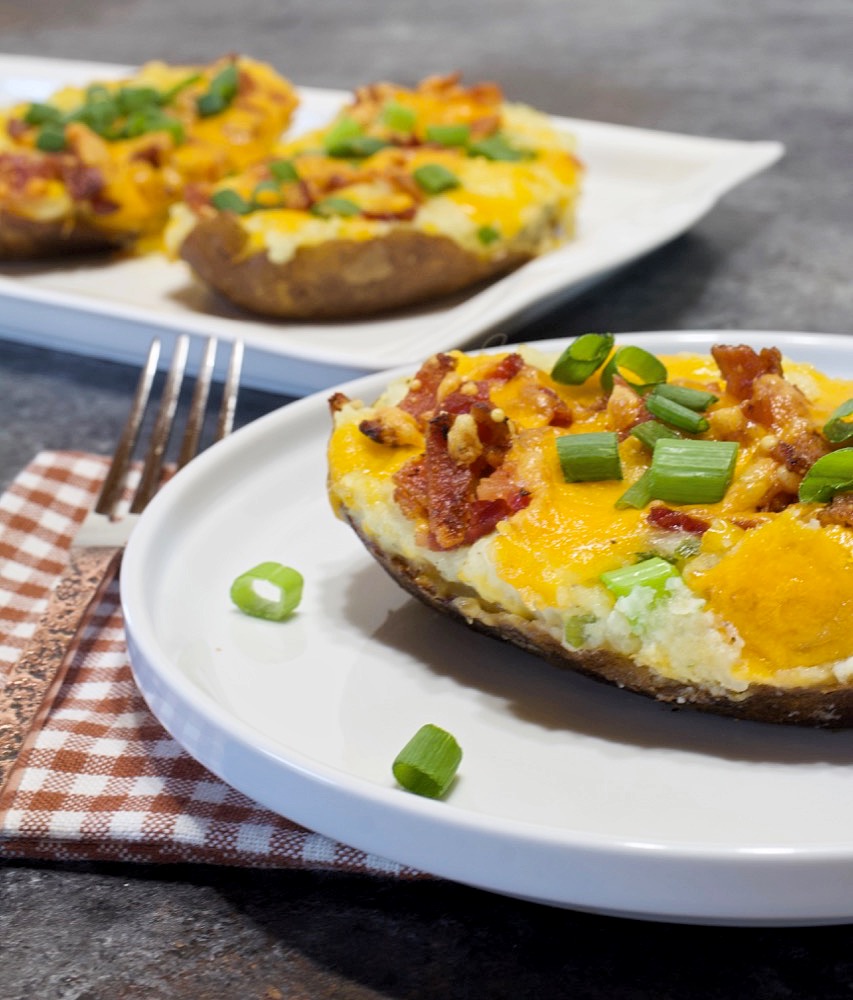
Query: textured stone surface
(775, 254)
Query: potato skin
(28, 239)
(816, 707)
(339, 278)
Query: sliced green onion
(448, 135)
(229, 200)
(650, 431)
(42, 114)
(488, 234)
(837, 429)
(830, 474)
(268, 590)
(346, 139)
(688, 471)
(674, 413)
(589, 457)
(398, 117)
(260, 188)
(222, 91)
(693, 399)
(435, 178)
(652, 573)
(574, 632)
(136, 98)
(496, 147)
(284, 171)
(169, 95)
(585, 355)
(51, 139)
(427, 764)
(649, 369)
(638, 494)
(335, 206)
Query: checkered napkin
(102, 780)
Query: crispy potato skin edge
(30, 239)
(338, 279)
(819, 707)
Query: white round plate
(570, 793)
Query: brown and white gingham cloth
(103, 780)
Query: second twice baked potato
(409, 195)
(681, 526)
(97, 167)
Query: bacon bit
(780, 406)
(484, 126)
(740, 366)
(508, 367)
(423, 399)
(84, 183)
(403, 215)
(103, 206)
(839, 510)
(16, 128)
(338, 401)
(667, 519)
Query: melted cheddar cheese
(122, 178)
(763, 594)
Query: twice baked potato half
(409, 195)
(99, 166)
(681, 527)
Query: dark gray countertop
(775, 254)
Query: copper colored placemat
(101, 779)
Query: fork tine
(195, 420)
(229, 391)
(113, 485)
(153, 466)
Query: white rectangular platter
(642, 189)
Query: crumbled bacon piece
(839, 510)
(422, 397)
(740, 366)
(667, 519)
(337, 401)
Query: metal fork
(97, 548)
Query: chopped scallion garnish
(398, 117)
(837, 429)
(589, 457)
(687, 471)
(648, 369)
(584, 356)
(830, 474)
(228, 200)
(674, 413)
(488, 234)
(335, 206)
(693, 399)
(427, 764)
(51, 138)
(653, 572)
(448, 135)
(284, 171)
(222, 91)
(574, 631)
(638, 493)
(650, 431)
(268, 590)
(496, 147)
(435, 178)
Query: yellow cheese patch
(787, 587)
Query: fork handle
(32, 686)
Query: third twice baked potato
(98, 166)
(679, 526)
(409, 195)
